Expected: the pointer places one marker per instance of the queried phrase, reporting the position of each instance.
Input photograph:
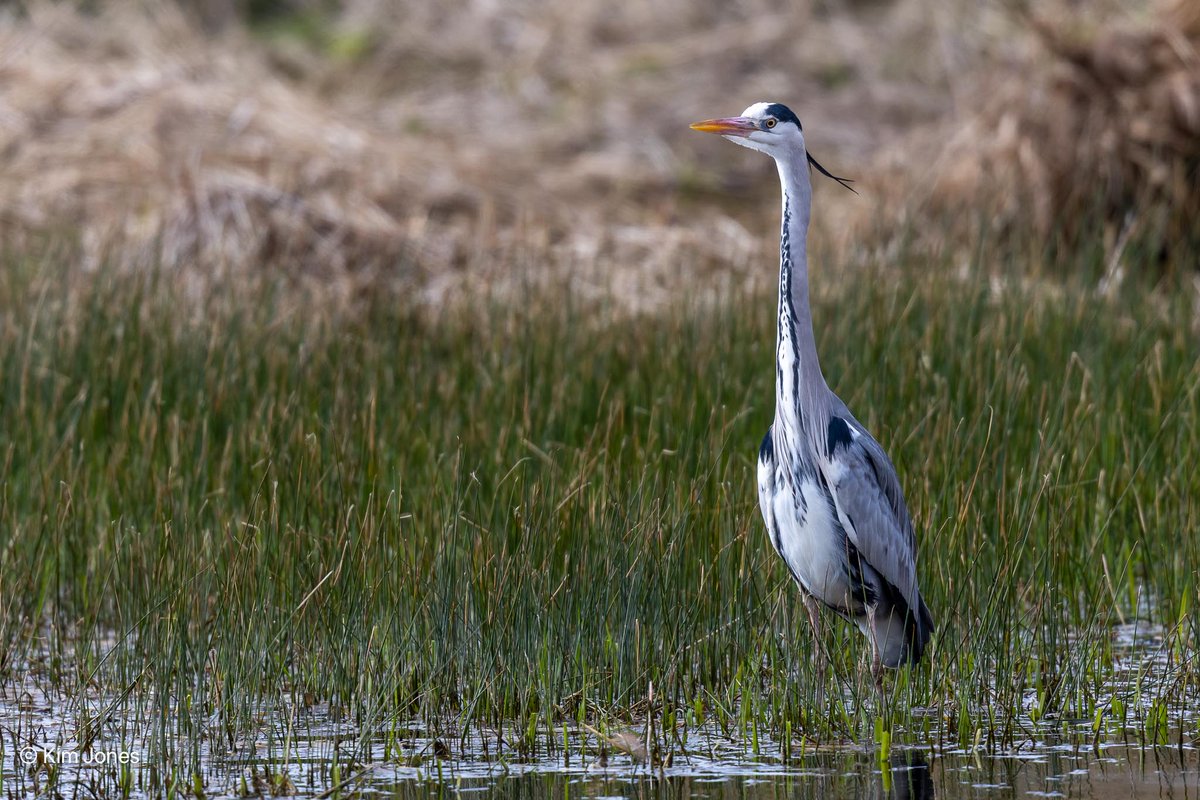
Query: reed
(226, 525)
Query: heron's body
(829, 495)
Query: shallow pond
(58, 743)
(712, 766)
(1157, 773)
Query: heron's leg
(877, 671)
(814, 619)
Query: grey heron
(828, 492)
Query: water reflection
(833, 776)
(910, 778)
(1070, 773)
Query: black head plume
(843, 181)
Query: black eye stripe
(784, 114)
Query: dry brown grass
(1097, 130)
(459, 145)
(546, 141)
(155, 147)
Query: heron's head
(770, 128)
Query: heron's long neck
(801, 395)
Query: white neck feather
(802, 398)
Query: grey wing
(870, 505)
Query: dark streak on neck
(787, 312)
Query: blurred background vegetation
(407, 145)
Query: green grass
(519, 518)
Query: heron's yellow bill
(727, 126)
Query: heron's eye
(771, 122)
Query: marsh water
(85, 743)
(1051, 772)
(316, 758)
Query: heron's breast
(811, 539)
